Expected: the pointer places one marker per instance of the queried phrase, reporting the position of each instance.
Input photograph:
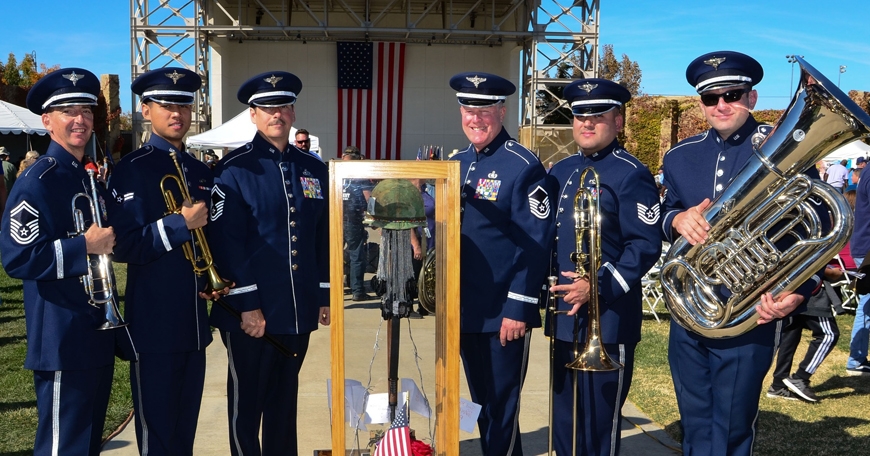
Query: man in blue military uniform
(630, 245)
(72, 362)
(718, 381)
(270, 217)
(168, 319)
(507, 231)
(355, 194)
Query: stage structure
(547, 35)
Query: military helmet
(395, 204)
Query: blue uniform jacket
(270, 218)
(630, 239)
(507, 231)
(163, 308)
(860, 242)
(36, 247)
(702, 167)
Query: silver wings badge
(273, 80)
(714, 62)
(476, 80)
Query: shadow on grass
(9, 318)
(17, 453)
(11, 340)
(781, 434)
(10, 406)
(859, 386)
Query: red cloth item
(420, 448)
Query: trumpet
(594, 358)
(202, 262)
(99, 282)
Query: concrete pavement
(364, 331)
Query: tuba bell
(769, 201)
(426, 283)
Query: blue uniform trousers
(167, 393)
(495, 377)
(263, 384)
(600, 396)
(718, 383)
(355, 238)
(71, 405)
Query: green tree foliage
(11, 73)
(625, 72)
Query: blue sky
(662, 36)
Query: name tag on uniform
(311, 187)
(487, 189)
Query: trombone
(204, 263)
(593, 358)
(99, 282)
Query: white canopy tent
(16, 120)
(235, 133)
(850, 151)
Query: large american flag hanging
(370, 82)
(397, 439)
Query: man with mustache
(168, 319)
(72, 361)
(270, 218)
(507, 231)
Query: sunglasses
(711, 99)
(303, 141)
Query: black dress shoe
(361, 297)
(415, 316)
(423, 312)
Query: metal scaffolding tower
(554, 34)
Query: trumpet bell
(215, 282)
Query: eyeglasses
(712, 99)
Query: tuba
(770, 203)
(426, 282)
(99, 282)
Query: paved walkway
(640, 436)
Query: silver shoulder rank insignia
(588, 87)
(73, 77)
(648, 215)
(476, 80)
(714, 62)
(273, 79)
(539, 203)
(217, 203)
(492, 175)
(175, 76)
(24, 223)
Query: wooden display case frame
(447, 196)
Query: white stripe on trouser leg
(141, 417)
(527, 339)
(824, 346)
(776, 340)
(235, 377)
(614, 425)
(55, 413)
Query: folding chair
(846, 286)
(651, 287)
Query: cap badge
(588, 87)
(73, 77)
(714, 62)
(273, 80)
(476, 80)
(175, 76)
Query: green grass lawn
(17, 397)
(837, 425)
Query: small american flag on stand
(397, 439)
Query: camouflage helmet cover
(395, 204)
